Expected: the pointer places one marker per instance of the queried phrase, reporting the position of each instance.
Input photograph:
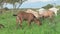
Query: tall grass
(9, 21)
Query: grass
(9, 21)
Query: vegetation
(13, 2)
(6, 8)
(48, 6)
(9, 21)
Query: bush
(6, 8)
(48, 6)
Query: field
(9, 21)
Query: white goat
(36, 14)
(41, 10)
(54, 10)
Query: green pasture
(9, 21)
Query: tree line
(20, 2)
(13, 2)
